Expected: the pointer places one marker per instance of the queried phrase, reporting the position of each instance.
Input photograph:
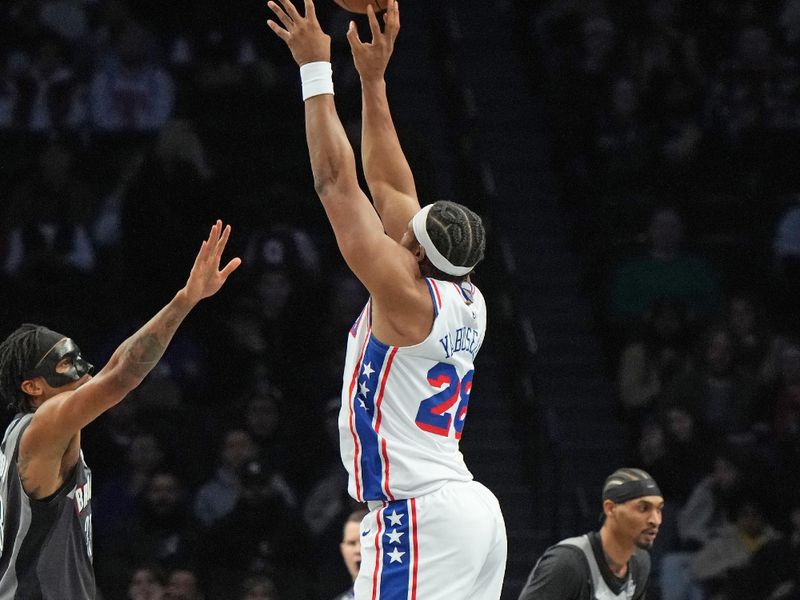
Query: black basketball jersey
(45, 545)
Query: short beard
(644, 545)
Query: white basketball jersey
(403, 408)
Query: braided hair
(17, 352)
(458, 233)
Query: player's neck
(616, 552)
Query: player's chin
(646, 540)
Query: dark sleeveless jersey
(45, 545)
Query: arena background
(616, 338)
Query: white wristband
(316, 78)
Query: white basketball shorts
(447, 545)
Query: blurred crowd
(126, 128)
(676, 134)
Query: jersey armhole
(436, 296)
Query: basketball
(360, 6)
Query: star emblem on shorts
(362, 387)
(395, 519)
(394, 536)
(361, 404)
(395, 556)
(368, 370)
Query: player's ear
(419, 252)
(32, 387)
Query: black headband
(629, 490)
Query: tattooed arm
(52, 443)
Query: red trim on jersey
(416, 548)
(436, 291)
(356, 446)
(378, 419)
(377, 554)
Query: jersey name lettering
(463, 339)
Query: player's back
(404, 408)
(45, 545)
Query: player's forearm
(332, 159)
(137, 355)
(385, 164)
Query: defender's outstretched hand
(371, 58)
(206, 278)
(303, 34)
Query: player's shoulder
(564, 559)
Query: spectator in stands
(175, 187)
(666, 271)
(258, 588)
(262, 535)
(719, 564)
(623, 139)
(131, 92)
(217, 496)
(652, 360)
(183, 583)
(146, 583)
(117, 496)
(774, 569)
(697, 521)
(350, 547)
(749, 333)
(49, 217)
(47, 96)
(720, 399)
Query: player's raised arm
(386, 169)
(59, 417)
(380, 263)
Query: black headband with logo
(628, 484)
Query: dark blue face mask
(54, 349)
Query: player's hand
(303, 34)
(206, 278)
(372, 58)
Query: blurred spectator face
(262, 416)
(183, 585)
(719, 353)
(237, 448)
(164, 493)
(666, 231)
(725, 473)
(351, 548)
(680, 424)
(742, 316)
(259, 589)
(145, 585)
(144, 453)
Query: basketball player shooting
(45, 485)
(432, 533)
